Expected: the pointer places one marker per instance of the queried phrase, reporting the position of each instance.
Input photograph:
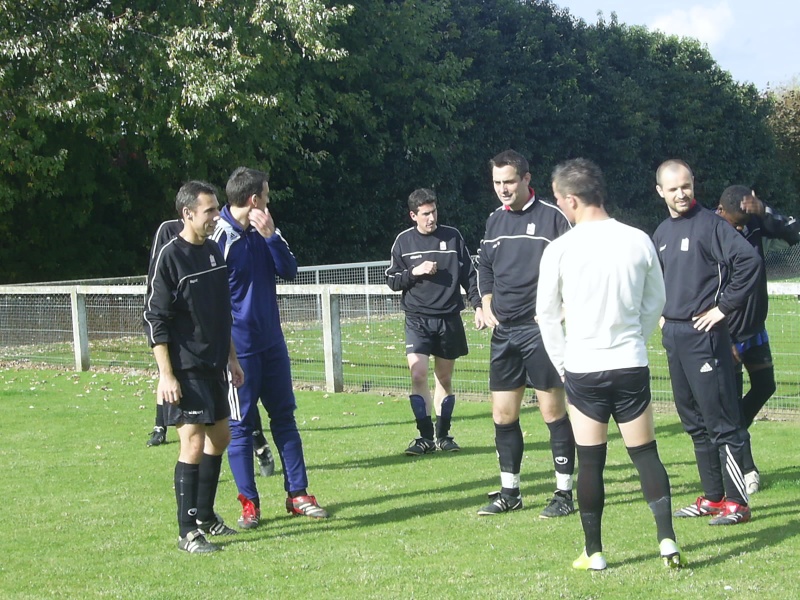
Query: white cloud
(706, 23)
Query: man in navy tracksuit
(709, 271)
(255, 253)
(755, 221)
(508, 275)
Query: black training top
(706, 263)
(438, 294)
(509, 256)
(750, 320)
(189, 307)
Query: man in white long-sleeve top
(606, 278)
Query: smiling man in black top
(508, 275)
(188, 319)
(709, 271)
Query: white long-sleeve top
(607, 277)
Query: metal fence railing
(344, 315)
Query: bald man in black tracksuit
(709, 271)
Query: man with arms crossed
(508, 273)
(188, 322)
(430, 264)
(709, 271)
(606, 278)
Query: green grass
(90, 511)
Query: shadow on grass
(306, 427)
(673, 429)
(785, 477)
(526, 414)
(467, 496)
(397, 457)
(741, 539)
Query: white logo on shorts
(706, 368)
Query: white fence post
(80, 330)
(332, 341)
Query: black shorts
(436, 336)
(622, 393)
(518, 358)
(203, 402)
(755, 356)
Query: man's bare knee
(552, 404)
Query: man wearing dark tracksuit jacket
(166, 231)
(709, 271)
(255, 252)
(755, 221)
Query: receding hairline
(673, 164)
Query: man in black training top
(188, 323)
(430, 264)
(740, 207)
(165, 232)
(709, 272)
(508, 276)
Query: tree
(110, 105)
(654, 97)
(785, 124)
(394, 105)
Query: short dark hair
(731, 199)
(419, 198)
(581, 178)
(188, 195)
(670, 163)
(243, 183)
(511, 158)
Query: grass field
(90, 511)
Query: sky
(757, 41)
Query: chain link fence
(37, 324)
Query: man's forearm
(161, 352)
